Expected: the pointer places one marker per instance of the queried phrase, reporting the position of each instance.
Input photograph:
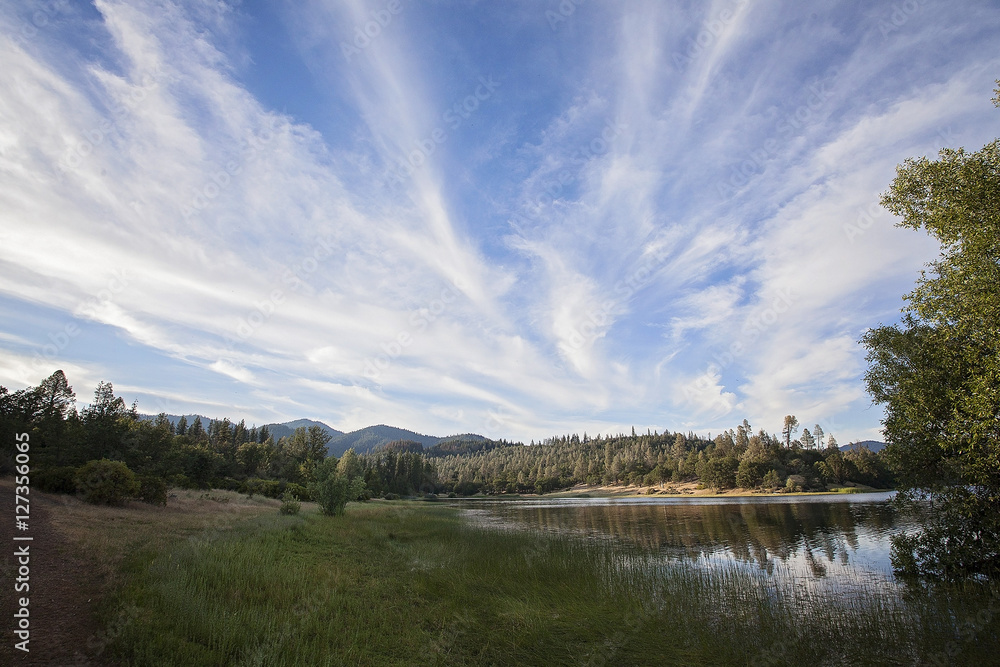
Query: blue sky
(513, 218)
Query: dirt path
(63, 594)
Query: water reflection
(809, 537)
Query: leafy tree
(938, 371)
(253, 457)
(332, 489)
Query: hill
(365, 439)
(285, 429)
(281, 430)
(373, 437)
(873, 445)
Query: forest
(158, 454)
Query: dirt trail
(64, 590)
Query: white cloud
(147, 191)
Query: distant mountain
(286, 429)
(373, 437)
(365, 439)
(873, 445)
(277, 430)
(176, 418)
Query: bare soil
(64, 590)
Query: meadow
(219, 579)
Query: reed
(405, 583)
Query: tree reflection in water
(808, 536)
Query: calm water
(831, 543)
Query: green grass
(407, 583)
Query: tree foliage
(938, 371)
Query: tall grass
(412, 584)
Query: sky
(522, 218)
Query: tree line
(232, 455)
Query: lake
(826, 543)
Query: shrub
(106, 482)
(290, 505)
(771, 480)
(56, 480)
(332, 489)
(392, 496)
(181, 481)
(152, 490)
(300, 492)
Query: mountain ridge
(360, 440)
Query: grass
(220, 582)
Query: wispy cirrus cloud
(658, 215)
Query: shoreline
(685, 490)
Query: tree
(818, 436)
(750, 473)
(938, 371)
(105, 423)
(789, 429)
(808, 440)
(771, 480)
(332, 489)
(197, 432)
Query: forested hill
(389, 460)
(361, 441)
(372, 437)
(735, 458)
(277, 431)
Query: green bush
(300, 492)
(290, 505)
(332, 489)
(152, 490)
(56, 480)
(270, 488)
(182, 481)
(106, 482)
